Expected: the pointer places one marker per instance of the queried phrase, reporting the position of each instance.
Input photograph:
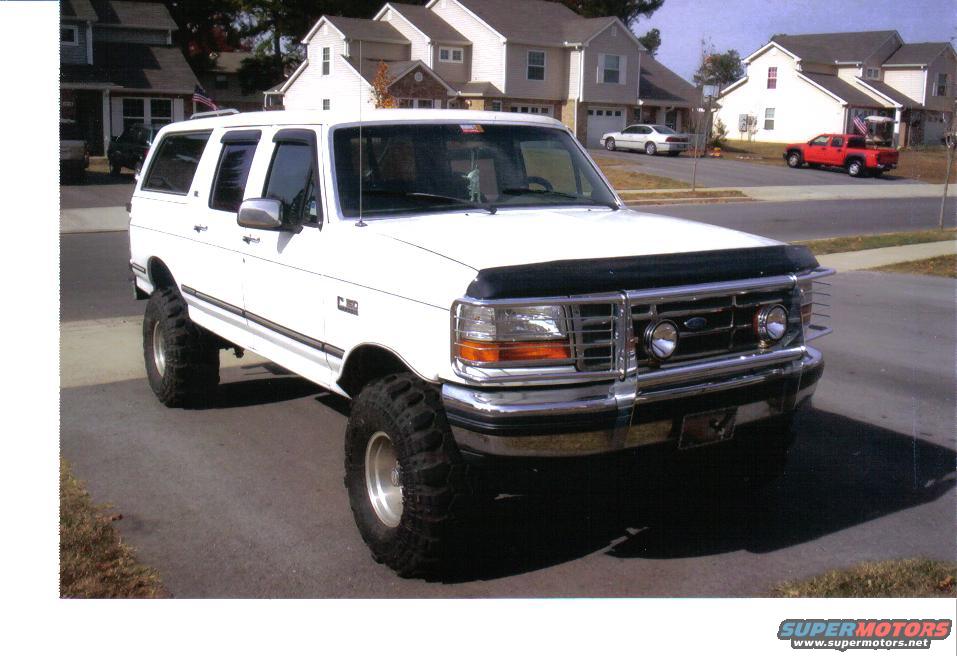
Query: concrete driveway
(728, 172)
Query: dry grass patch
(916, 577)
(944, 266)
(622, 175)
(94, 562)
(866, 242)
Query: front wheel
(182, 359)
(609, 144)
(404, 475)
(794, 160)
(651, 148)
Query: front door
(816, 151)
(285, 296)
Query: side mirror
(261, 214)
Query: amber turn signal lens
(475, 351)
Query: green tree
(719, 69)
(205, 26)
(651, 40)
(627, 10)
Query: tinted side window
(231, 174)
(174, 165)
(291, 180)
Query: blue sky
(745, 25)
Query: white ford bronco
(474, 285)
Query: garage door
(600, 121)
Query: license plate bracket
(703, 428)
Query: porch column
(107, 121)
(898, 117)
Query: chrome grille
(707, 327)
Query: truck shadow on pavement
(842, 473)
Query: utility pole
(951, 141)
(701, 140)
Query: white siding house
(798, 86)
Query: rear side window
(292, 182)
(174, 165)
(837, 142)
(233, 169)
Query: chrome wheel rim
(159, 349)
(384, 479)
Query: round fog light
(661, 339)
(771, 323)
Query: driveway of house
(728, 172)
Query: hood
(513, 237)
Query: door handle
(200, 228)
(250, 240)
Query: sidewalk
(878, 257)
(94, 219)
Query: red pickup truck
(848, 151)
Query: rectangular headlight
(510, 334)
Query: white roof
(336, 117)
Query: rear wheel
(609, 144)
(182, 359)
(794, 159)
(651, 148)
(404, 475)
(855, 168)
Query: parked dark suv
(130, 148)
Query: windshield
(663, 129)
(409, 168)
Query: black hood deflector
(571, 277)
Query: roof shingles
(834, 47)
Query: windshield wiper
(491, 209)
(561, 194)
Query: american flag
(200, 96)
(860, 125)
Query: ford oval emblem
(696, 323)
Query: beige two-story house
(527, 56)
(798, 86)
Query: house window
(496, 105)
(940, 89)
(326, 104)
(873, 73)
(326, 61)
(532, 109)
(221, 82)
(772, 77)
(610, 69)
(536, 65)
(405, 103)
(68, 35)
(161, 111)
(454, 55)
(769, 118)
(134, 112)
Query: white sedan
(651, 138)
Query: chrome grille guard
(601, 330)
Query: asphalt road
(796, 221)
(727, 172)
(245, 499)
(95, 272)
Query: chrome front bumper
(623, 414)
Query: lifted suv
(472, 282)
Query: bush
(719, 133)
